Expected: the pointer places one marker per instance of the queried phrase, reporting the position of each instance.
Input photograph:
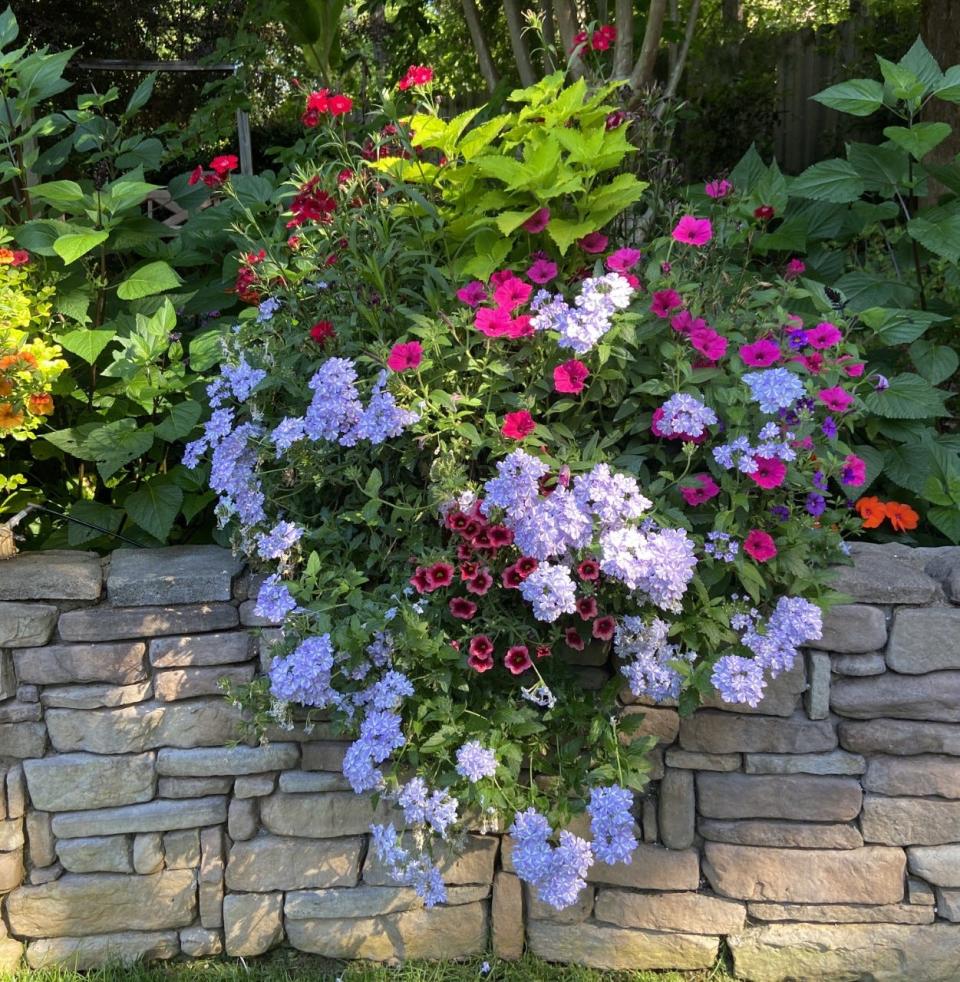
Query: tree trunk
(518, 43)
(623, 46)
(568, 26)
(940, 30)
(549, 37)
(487, 68)
(643, 70)
(732, 12)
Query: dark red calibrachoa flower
(511, 577)
(440, 575)
(587, 608)
(480, 653)
(322, 332)
(589, 569)
(462, 609)
(481, 583)
(604, 628)
(517, 659)
(543, 651)
(420, 581)
(526, 565)
(572, 639)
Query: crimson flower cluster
(322, 103)
(219, 173)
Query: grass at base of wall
(289, 966)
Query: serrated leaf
(947, 520)
(149, 280)
(154, 508)
(178, 423)
(949, 87)
(856, 97)
(831, 180)
(106, 518)
(938, 229)
(918, 140)
(88, 345)
(897, 326)
(566, 231)
(206, 350)
(901, 81)
(935, 362)
(908, 397)
(72, 246)
(922, 64)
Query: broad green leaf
(252, 189)
(137, 152)
(76, 244)
(949, 87)
(945, 518)
(748, 171)
(206, 350)
(39, 235)
(8, 28)
(918, 140)
(66, 195)
(93, 512)
(908, 465)
(509, 221)
(882, 169)
(935, 362)
(88, 345)
(566, 231)
(71, 441)
(897, 326)
(154, 507)
(858, 97)
(181, 419)
(938, 229)
(908, 397)
(789, 236)
(830, 180)
(922, 65)
(126, 193)
(141, 95)
(148, 280)
(863, 290)
(113, 445)
(511, 172)
(901, 81)
(74, 301)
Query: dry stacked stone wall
(818, 836)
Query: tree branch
(642, 73)
(569, 26)
(487, 68)
(623, 47)
(674, 81)
(518, 43)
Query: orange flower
(6, 257)
(872, 511)
(9, 420)
(902, 517)
(41, 403)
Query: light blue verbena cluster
(648, 659)
(774, 388)
(611, 824)
(684, 415)
(582, 325)
(558, 873)
(475, 761)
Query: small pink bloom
(521, 327)
(587, 608)
(473, 294)
(795, 268)
(604, 628)
(589, 570)
(571, 637)
(705, 489)
(854, 471)
(494, 322)
(760, 354)
(623, 260)
(480, 657)
(759, 546)
(770, 472)
(570, 376)
(593, 243)
(502, 276)
(518, 425)
(537, 222)
(512, 294)
(711, 345)
(854, 369)
(439, 575)
(517, 659)
(406, 356)
(693, 231)
(542, 271)
(526, 565)
(813, 362)
(824, 335)
(686, 323)
(837, 400)
(718, 189)
(664, 301)
(511, 578)
(462, 609)
(481, 583)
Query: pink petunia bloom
(439, 575)
(664, 301)
(537, 222)
(854, 471)
(473, 294)
(512, 294)
(517, 659)
(462, 609)
(721, 188)
(813, 362)
(542, 271)
(587, 608)
(480, 657)
(572, 639)
(824, 335)
(511, 578)
(795, 268)
(686, 323)
(518, 425)
(852, 370)
(760, 354)
(770, 472)
(604, 628)
(700, 493)
(480, 583)
(406, 356)
(693, 231)
(593, 243)
(570, 376)
(502, 276)
(711, 345)
(521, 327)
(759, 546)
(623, 260)
(837, 400)
(494, 322)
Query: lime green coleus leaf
(72, 246)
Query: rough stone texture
(99, 903)
(301, 782)
(919, 892)
(836, 762)
(677, 809)
(858, 665)
(211, 877)
(816, 699)
(781, 696)
(506, 917)
(193, 787)
(11, 870)
(796, 835)
(270, 862)
(242, 818)
(602, 946)
(923, 697)
(11, 834)
(214, 761)
(883, 574)
(473, 865)
(664, 724)
(11, 952)
(871, 875)
(45, 874)
(117, 664)
(198, 942)
(440, 933)
(651, 868)
(880, 952)
(359, 901)
(172, 575)
(95, 696)
(579, 911)
(853, 629)
(939, 865)
(843, 913)
(211, 904)
(8, 677)
(40, 839)
(254, 785)
(23, 740)
(96, 854)
(153, 816)
(948, 904)
(148, 852)
(910, 821)
(924, 640)
(144, 726)
(108, 623)
(789, 796)
(696, 913)
(16, 790)
(52, 575)
(19, 712)
(920, 775)
(252, 922)
(181, 849)
(727, 733)
(122, 948)
(320, 816)
(324, 755)
(195, 651)
(688, 759)
(26, 625)
(77, 781)
(894, 736)
(186, 683)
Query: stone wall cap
(172, 575)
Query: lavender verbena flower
(233, 475)
(531, 850)
(774, 388)
(286, 433)
(412, 798)
(815, 504)
(737, 453)
(389, 691)
(780, 512)
(380, 649)
(738, 680)
(274, 601)
(241, 378)
(721, 546)
(797, 619)
(406, 869)
(566, 874)
(645, 655)
(516, 487)
(539, 695)
(582, 326)
(441, 812)
(359, 769)
(819, 480)
(386, 845)
(659, 562)
(475, 761)
(550, 590)
(611, 824)
(382, 418)
(613, 498)
(193, 452)
(279, 540)
(304, 676)
(552, 525)
(880, 382)
(267, 309)
(684, 414)
(335, 408)
(427, 881)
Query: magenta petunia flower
(518, 425)
(824, 335)
(473, 294)
(760, 546)
(693, 231)
(770, 472)
(700, 493)
(711, 345)
(718, 189)
(512, 294)
(664, 301)
(760, 354)
(623, 260)
(686, 323)
(570, 376)
(542, 271)
(494, 322)
(795, 268)
(593, 243)
(854, 471)
(537, 222)
(837, 400)
(406, 356)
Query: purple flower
(475, 761)
(611, 824)
(780, 512)
(774, 388)
(274, 601)
(303, 676)
(279, 540)
(738, 680)
(829, 428)
(815, 504)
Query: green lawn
(286, 966)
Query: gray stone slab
(884, 574)
(924, 774)
(910, 821)
(23, 740)
(781, 834)
(924, 640)
(96, 854)
(56, 664)
(851, 628)
(272, 862)
(723, 733)
(843, 913)
(904, 737)
(320, 816)
(98, 696)
(858, 666)
(789, 796)
(780, 698)
(835, 762)
(113, 623)
(154, 816)
(26, 625)
(695, 761)
(303, 782)
(197, 650)
(816, 699)
(173, 684)
(922, 697)
(52, 575)
(193, 787)
(939, 865)
(100, 951)
(213, 761)
(171, 575)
